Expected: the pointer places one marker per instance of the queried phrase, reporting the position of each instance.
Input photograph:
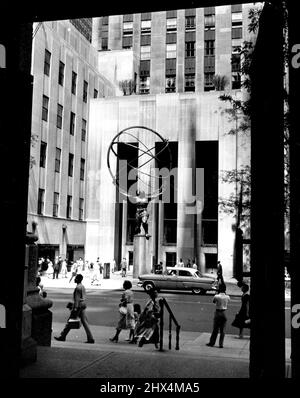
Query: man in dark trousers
(221, 300)
(78, 310)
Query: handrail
(163, 303)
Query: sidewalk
(106, 360)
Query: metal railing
(163, 304)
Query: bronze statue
(142, 214)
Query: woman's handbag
(74, 323)
(123, 310)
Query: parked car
(179, 278)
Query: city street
(194, 313)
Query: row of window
(61, 77)
(190, 24)
(43, 155)
(41, 205)
(59, 118)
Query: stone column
(41, 317)
(142, 255)
(186, 162)
(28, 344)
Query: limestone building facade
(177, 56)
(66, 77)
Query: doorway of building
(170, 259)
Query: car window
(172, 272)
(184, 273)
(197, 274)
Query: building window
(59, 116)
(85, 90)
(41, 198)
(146, 40)
(189, 82)
(105, 20)
(82, 166)
(43, 152)
(145, 52)
(72, 123)
(83, 130)
(104, 43)
(55, 204)
(236, 80)
(145, 27)
(237, 25)
(81, 204)
(127, 28)
(190, 22)
(74, 82)
(144, 84)
(236, 62)
(45, 108)
(171, 50)
(57, 160)
(170, 259)
(237, 18)
(95, 93)
(209, 48)
(171, 24)
(208, 81)
(47, 63)
(127, 42)
(170, 84)
(189, 49)
(69, 206)
(71, 165)
(209, 21)
(61, 73)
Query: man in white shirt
(221, 300)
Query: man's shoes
(60, 338)
(220, 346)
(90, 341)
(209, 345)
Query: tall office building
(66, 77)
(172, 59)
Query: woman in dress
(147, 328)
(127, 319)
(243, 319)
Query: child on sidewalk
(136, 313)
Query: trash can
(106, 271)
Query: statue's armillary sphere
(144, 156)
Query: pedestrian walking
(127, 320)
(124, 267)
(221, 300)
(147, 328)
(78, 310)
(49, 268)
(56, 267)
(220, 278)
(189, 264)
(95, 274)
(64, 270)
(74, 271)
(194, 264)
(242, 318)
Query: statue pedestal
(141, 255)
